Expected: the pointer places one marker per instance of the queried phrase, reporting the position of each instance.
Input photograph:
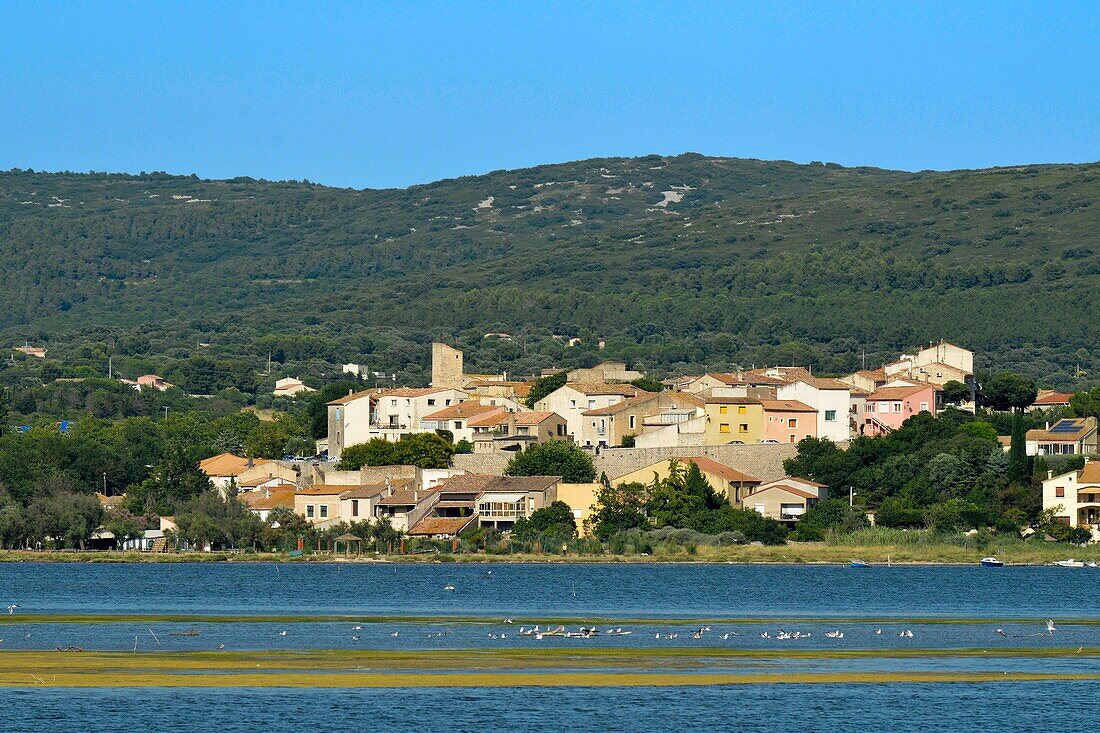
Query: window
(591, 404)
(742, 410)
(790, 438)
(897, 407)
(309, 511)
(924, 407)
(393, 403)
(724, 427)
(830, 416)
(447, 403)
(870, 407)
(1060, 492)
(572, 403)
(792, 422)
(324, 511)
(723, 410)
(633, 420)
(742, 428)
(355, 507)
(458, 425)
(431, 401)
(884, 407)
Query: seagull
(878, 632)
(725, 636)
(12, 607)
(221, 646)
(1050, 626)
(282, 633)
(356, 628)
(357, 637)
(449, 587)
(27, 635)
(1000, 631)
(509, 621)
(394, 634)
(489, 574)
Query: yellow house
(319, 504)
(734, 420)
(724, 479)
(580, 498)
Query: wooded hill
(681, 263)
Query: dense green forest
(681, 263)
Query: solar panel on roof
(1065, 426)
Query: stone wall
(492, 464)
(763, 461)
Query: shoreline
(811, 554)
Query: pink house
(788, 421)
(888, 407)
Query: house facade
(1075, 496)
(388, 414)
(785, 499)
(788, 421)
(733, 420)
(572, 400)
(512, 431)
(1066, 437)
(726, 480)
(888, 407)
(830, 399)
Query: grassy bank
(837, 551)
(473, 668)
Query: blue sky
(390, 94)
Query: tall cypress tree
(1017, 453)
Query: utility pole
(851, 496)
(166, 413)
(105, 483)
(110, 371)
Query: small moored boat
(991, 562)
(1070, 563)
(859, 564)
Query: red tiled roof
(711, 466)
(733, 401)
(462, 410)
(604, 389)
(626, 404)
(897, 393)
(783, 487)
(441, 525)
(786, 406)
(1053, 398)
(227, 464)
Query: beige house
(494, 432)
(784, 499)
(573, 399)
(225, 470)
(1076, 497)
(1067, 437)
(263, 500)
(725, 480)
(608, 371)
(580, 498)
(319, 504)
(456, 418)
(403, 509)
(388, 414)
(289, 387)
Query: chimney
(1050, 475)
(251, 462)
(350, 392)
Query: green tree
(554, 458)
(618, 509)
(556, 519)
(1017, 452)
(648, 384)
(544, 386)
(375, 452)
(424, 450)
(1009, 391)
(955, 392)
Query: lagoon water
(742, 600)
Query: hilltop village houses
(737, 427)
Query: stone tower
(446, 366)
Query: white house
(1076, 496)
(389, 414)
(831, 399)
(572, 400)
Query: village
(737, 428)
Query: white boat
(1070, 563)
(991, 562)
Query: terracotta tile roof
(627, 404)
(226, 464)
(786, 406)
(711, 466)
(369, 491)
(406, 497)
(462, 410)
(1090, 474)
(604, 389)
(1053, 398)
(441, 525)
(263, 480)
(796, 480)
(782, 487)
(353, 397)
(879, 375)
(258, 500)
(469, 483)
(1066, 430)
(527, 417)
(896, 393)
(322, 490)
(733, 401)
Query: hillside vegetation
(680, 263)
